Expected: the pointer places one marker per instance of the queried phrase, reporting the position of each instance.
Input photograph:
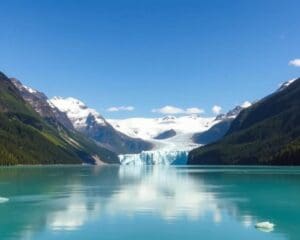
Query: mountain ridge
(28, 138)
(89, 122)
(267, 133)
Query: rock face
(213, 134)
(267, 133)
(89, 122)
(232, 114)
(217, 131)
(165, 135)
(27, 137)
(39, 102)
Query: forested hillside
(26, 138)
(267, 133)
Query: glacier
(171, 151)
(156, 157)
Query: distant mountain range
(89, 122)
(32, 132)
(166, 133)
(38, 130)
(267, 133)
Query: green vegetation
(268, 133)
(26, 138)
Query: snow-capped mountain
(77, 112)
(217, 131)
(61, 128)
(92, 124)
(286, 84)
(233, 113)
(133, 138)
(150, 128)
(162, 140)
(223, 123)
(40, 103)
(170, 135)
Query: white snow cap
(76, 111)
(148, 128)
(31, 90)
(286, 84)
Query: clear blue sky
(151, 53)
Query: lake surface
(83, 202)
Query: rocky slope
(166, 134)
(39, 102)
(218, 130)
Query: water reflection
(74, 200)
(162, 191)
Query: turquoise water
(148, 202)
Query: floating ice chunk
(3, 199)
(265, 226)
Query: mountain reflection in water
(122, 201)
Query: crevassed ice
(158, 157)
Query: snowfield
(149, 128)
(166, 151)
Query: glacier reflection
(74, 216)
(162, 191)
(157, 191)
(50, 202)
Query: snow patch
(31, 90)
(77, 111)
(149, 128)
(284, 85)
(173, 150)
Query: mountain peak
(285, 84)
(168, 118)
(231, 114)
(77, 111)
(25, 89)
(41, 104)
(265, 134)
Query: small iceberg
(3, 199)
(265, 226)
